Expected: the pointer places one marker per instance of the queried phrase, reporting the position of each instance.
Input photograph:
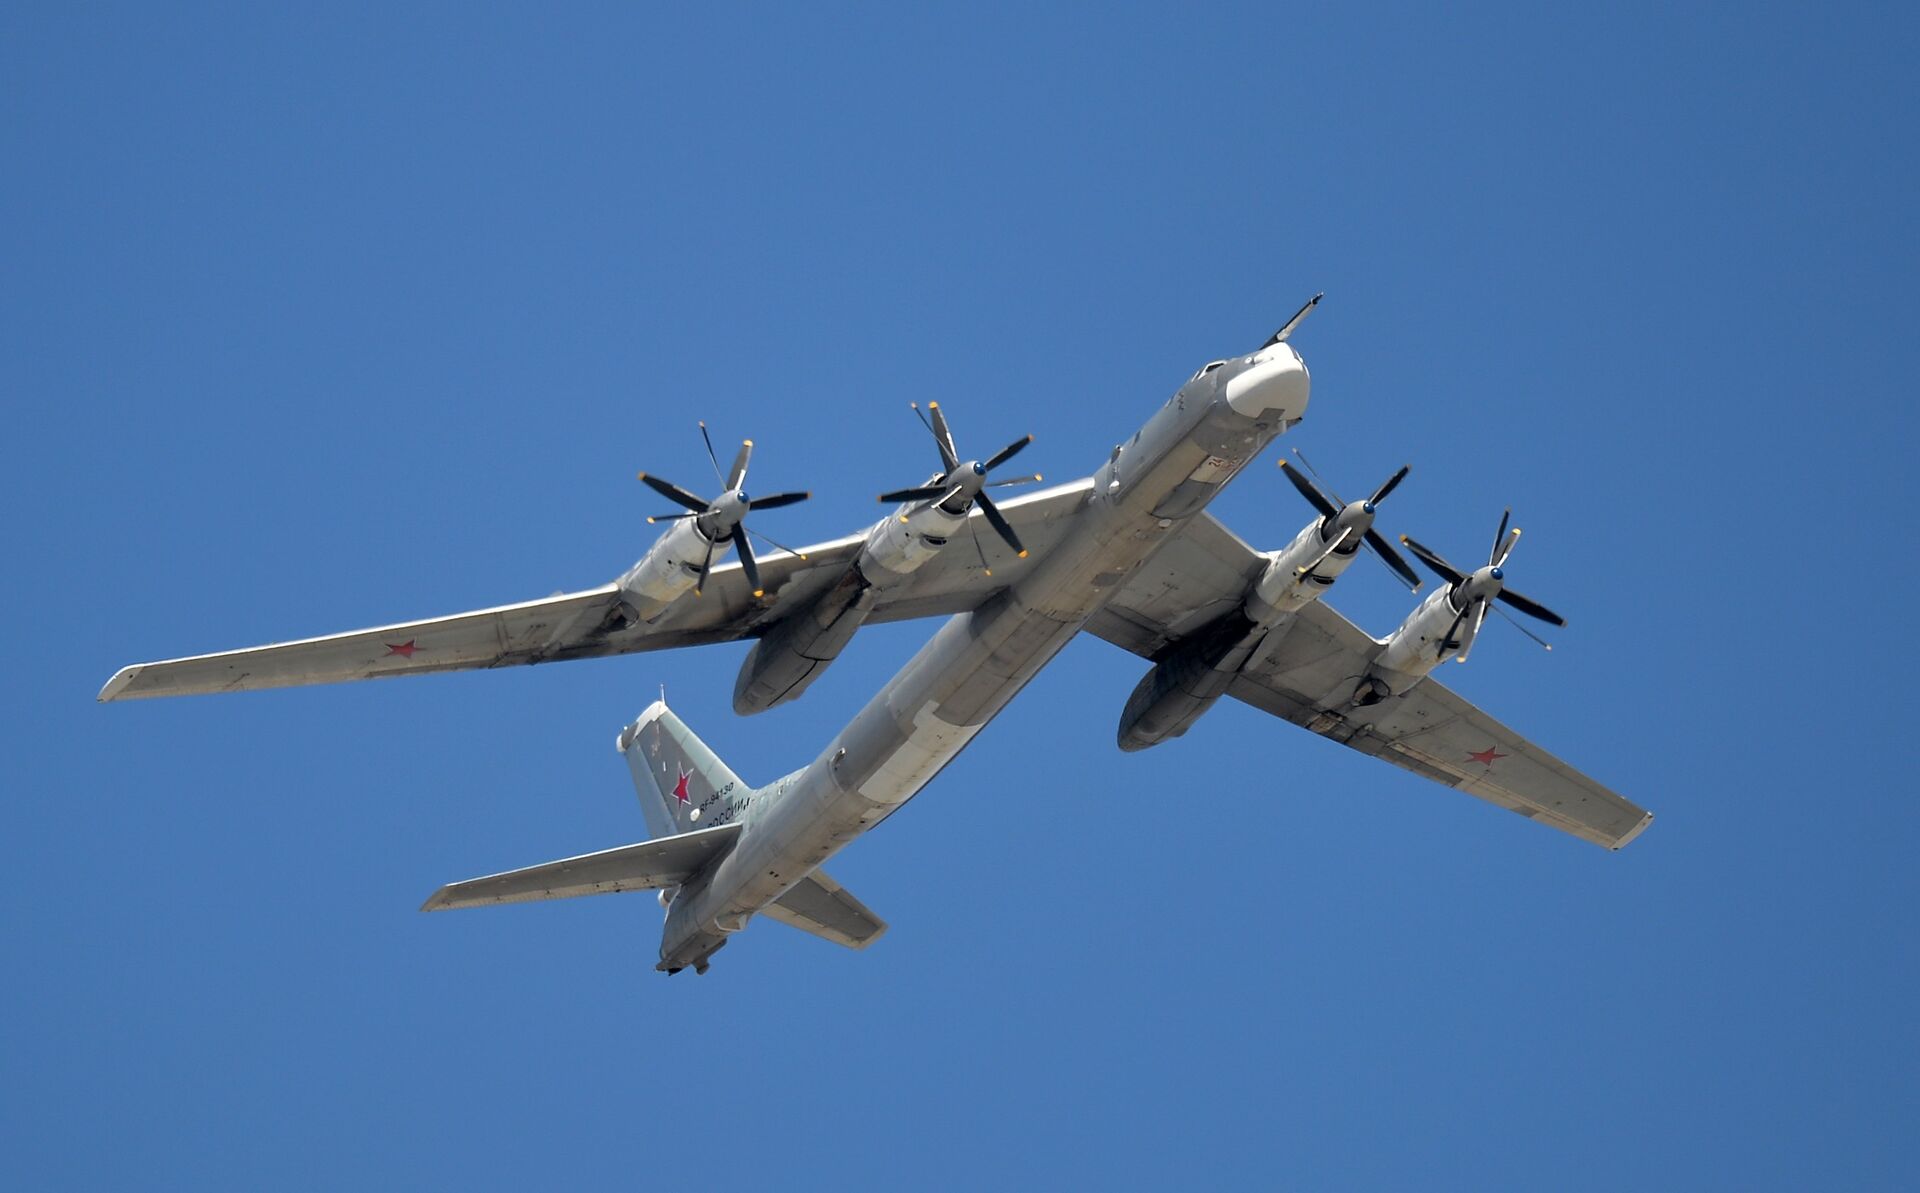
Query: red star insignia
(404, 650)
(680, 788)
(1486, 756)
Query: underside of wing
(821, 906)
(1432, 731)
(975, 564)
(529, 632)
(647, 866)
(591, 624)
(1306, 673)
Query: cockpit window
(1209, 367)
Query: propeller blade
(777, 500)
(974, 532)
(671, 517)
(1308, 464)
(673, 493)
(1007, 453)
(1506, 549)
(747, 564)
(1005, 531)
(1329, 549)
(706, 566)
(920, 494)
(737, 475)
(1479, 619)
(1532, 609)
(1015, 480)
(1287, 329)
(716, 459)
(1393, 482)
(776, 544)
(943, 437)
(1450, 642)
(1309, 491)
(1515, 623)
(1441, 567)
(1494, 556)
(1392, 559)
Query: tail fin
(674, 771)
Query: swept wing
(819, 905)
(587, 624)
(647, 866)
(1307, 673)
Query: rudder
(674, 772)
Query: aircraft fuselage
(979, 660)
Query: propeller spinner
(963, 484)
(1478, 590)
(725, 516)
(1343, 520)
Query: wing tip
(117, 686)
(440, 900)
(1646, 818)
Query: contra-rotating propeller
(1341, 521)
(962, 484)
(725, 516)
(1484, 586)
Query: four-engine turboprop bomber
(1128, 554)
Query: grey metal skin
(799, 647)
(1186, 683)
(1153, 484)
(790, 656)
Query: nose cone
(1275, 384)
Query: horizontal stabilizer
(648, 866)
(819, 905)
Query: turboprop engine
(1186, 682)
(795, 651)
(681, 559)
(1446, 624)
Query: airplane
(1129, 554)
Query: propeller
(1341, 520)
(724, 518)
(962, 485)
(1484, 586)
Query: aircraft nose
(1277, 381)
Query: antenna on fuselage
(1287, 329)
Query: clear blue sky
(316, 322)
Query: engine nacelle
(797, 649)
(669, 570)
(900, 543)
(1417, 647)
(1186, 683)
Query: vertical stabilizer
(674, 772)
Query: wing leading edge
(587, 624)
(1306, 674)
(647, 866)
